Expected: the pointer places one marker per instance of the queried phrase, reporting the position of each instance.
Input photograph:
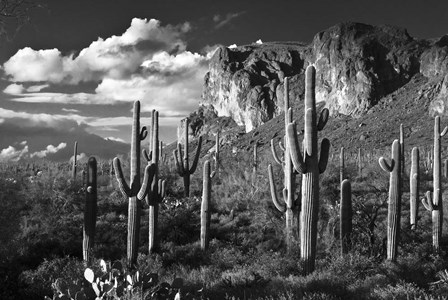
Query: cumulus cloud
(115, 57)
(49, 150)
(14, 89)
(12, 154)
(79, 158)
(148, 62)
(259, 42)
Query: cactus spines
(310, 165)
(157, 186)
(288, 204)
(90, 210)
(205, 205)
(75, 154)
(394, 206)
(435, 205)
(182, 161)
(136, 191)
(346, 216)
(414, 187)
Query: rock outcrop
(357, 65)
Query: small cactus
(205, 205)
(414, 188)
(394, 207)
(346, 216)
(90, 210)
(183, 162)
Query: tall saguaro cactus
(205, 205)
(157, 189)
(183, 162)
(90, 210)
(434, 204)
(135, 191)
(288, 204)
(414, 187)
(394, 207)
(310, 165)
(346, 216)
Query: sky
(78, 66)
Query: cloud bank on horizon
(148, 62)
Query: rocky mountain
(358, 67)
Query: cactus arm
(146, 155)
(427, 202)
(280, 144)
(181, 158)
(324, 152)
(147, 179)
(162, 189)
(323, 119)
(385, 165)
(445, 130)
(124, 187)
(280, 207)
(285, 195)
(293, 144)
(274, 153)
(196, 157)
(179, 165)
(143, 133)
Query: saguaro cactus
(288, 204)
(394, 207)
(255, 159)
(341, 165)
(90, 210)
(205, 205)
(136, 191)
(414, 187)
(183, 164)
(157, 190)
(403, 170)
(75, 154)
(217, 150)
(346, 216)
(434, 203)
(310, 165)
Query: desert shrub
(37, 283)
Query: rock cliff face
(356, 64)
